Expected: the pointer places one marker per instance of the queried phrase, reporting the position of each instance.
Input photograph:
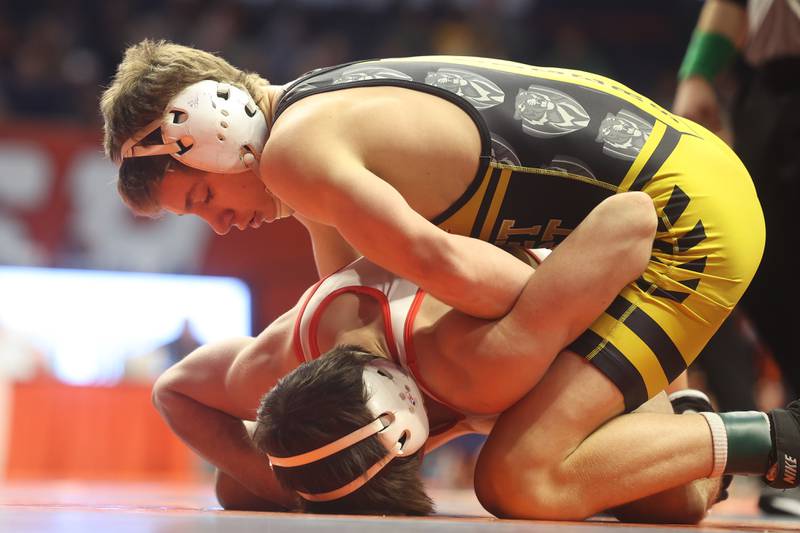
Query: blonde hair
(150, 75)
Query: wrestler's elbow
(158, 393)
(164, 397)
(233, 496)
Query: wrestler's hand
(696, 100)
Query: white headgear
(400, 422)
(208, 126)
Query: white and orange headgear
(400, 421)
(208, 126)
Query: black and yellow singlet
(554, 144)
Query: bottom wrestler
(471, 371)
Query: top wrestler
(404, 158)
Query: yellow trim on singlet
(659, 129)
(557, 173)
(497, 201)
(602, 326)
(463, 219)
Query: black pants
(766, 123)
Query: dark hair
(317, 403)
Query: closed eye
(194, 198)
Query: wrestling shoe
(690, 401)
(779, 502)
(696, 401)
(785, 432)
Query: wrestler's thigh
(534, 436)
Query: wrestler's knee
(510, 489)
(487, 483)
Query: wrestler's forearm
(331, 251)
(224, 441)
(470, 275)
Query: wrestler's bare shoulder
(265, 359)
(401, 135)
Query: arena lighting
(88, 322)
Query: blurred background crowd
(58, 206)
(56, 55)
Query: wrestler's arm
(331, 251)
(695, 97)
(578, 281)
(469, 274)
(205, 398)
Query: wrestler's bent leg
(687, 503)
(560, 453)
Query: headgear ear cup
(208, 126)
(392, 391)
(223, 123)
(400, 422)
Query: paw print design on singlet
(308, 85)
(623, 134)
(353, 74)
(503, 152)
(546, 112)
(362, 73)
(481, 92)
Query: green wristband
(708, 54)
(749, 442)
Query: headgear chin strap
(400, 422)
(209, 126)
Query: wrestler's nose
(222, 222)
